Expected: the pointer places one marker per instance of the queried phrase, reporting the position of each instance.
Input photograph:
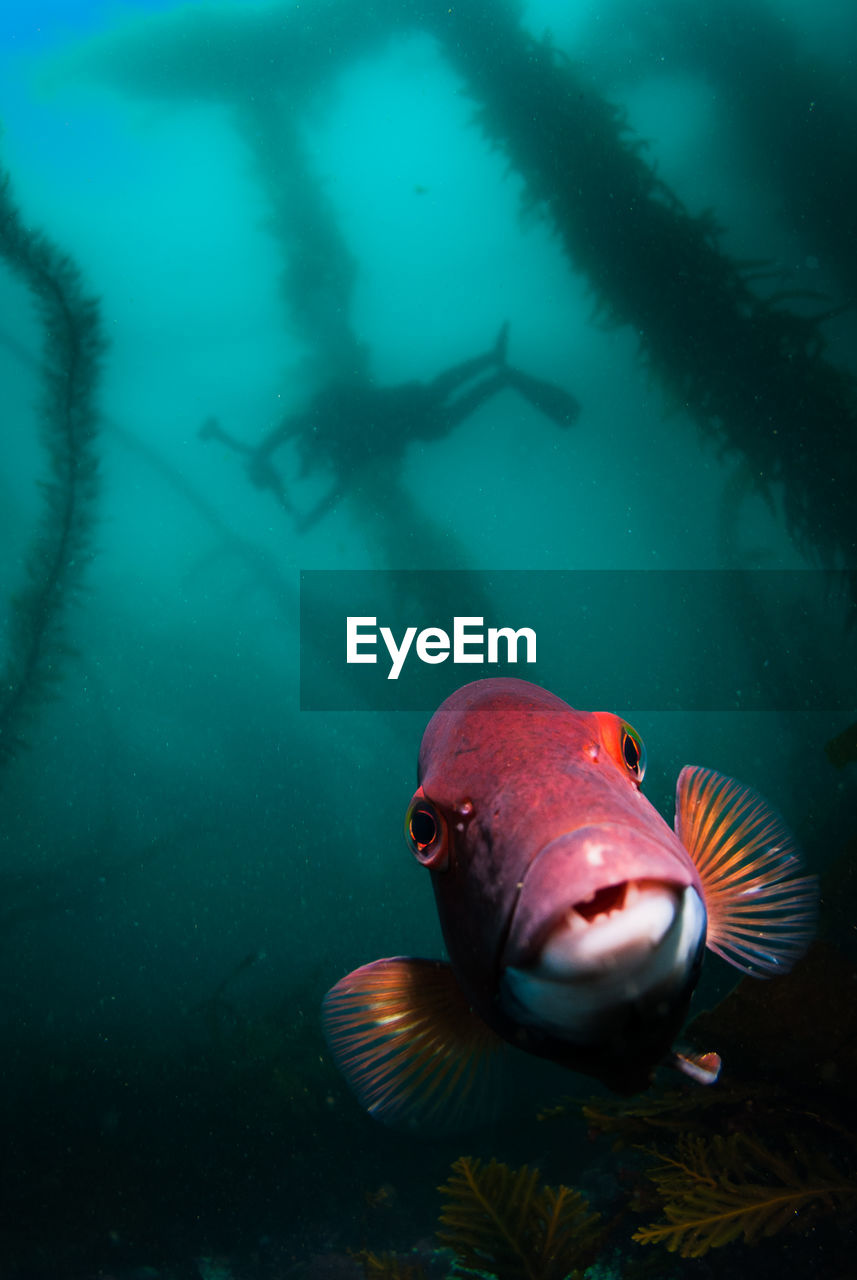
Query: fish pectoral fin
(761, 910)
(704, 1068)
(409, 1045)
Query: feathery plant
(720, 1189)
(502, 1220)
(58, 553)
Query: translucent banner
(620, 640)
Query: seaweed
(720, 1189)
(73, 345)
(771, 1147)
(754, 375)
(674, 1111)
(501, 1220)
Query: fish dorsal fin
(411, 1048)
(761, 910)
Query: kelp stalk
(752, 373)
(58, 554)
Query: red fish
(574, 917)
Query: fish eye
(425, 831)
(623, 744)
(422, 828)
(633, 752)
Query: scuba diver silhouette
(348, 424)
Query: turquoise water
(266, 199)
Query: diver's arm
(260, 469)
(212, 430)
(290, 426)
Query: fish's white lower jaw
(623, 938)
(588, 971)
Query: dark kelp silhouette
(787, 109)
(262, 568)
(59, 552)
(319, 271)
(265, 66)
(750, 371)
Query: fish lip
(641, 967)
(572, 868)
(573, 948)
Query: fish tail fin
(409, 1045)
(761, 910)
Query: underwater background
(660, 202)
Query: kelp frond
(723, 1189)
(675, 1111)
(72, 349)
(501, 1220)
(669, 1111)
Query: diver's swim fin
(555, 403)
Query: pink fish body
(574, 917)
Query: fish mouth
(615, 927)
(585, 947)
(631, 945)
